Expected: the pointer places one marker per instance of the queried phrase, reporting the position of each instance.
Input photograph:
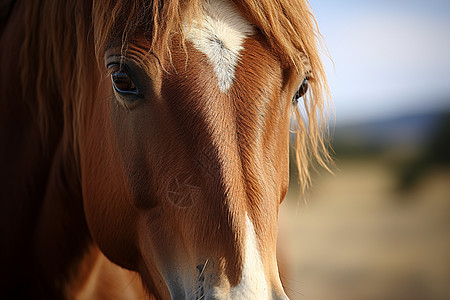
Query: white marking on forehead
(253, 284)
(219, 35)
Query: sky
(388, 57)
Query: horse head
(175, 121)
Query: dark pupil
(302, 90)
(123, 82)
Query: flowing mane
(57, 57)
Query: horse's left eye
(301, 90)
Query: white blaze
(219, 35)
(253, 284)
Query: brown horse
(144, 144)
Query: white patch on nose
(253, 284)
(219, 35)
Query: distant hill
(404, 130)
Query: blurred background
(379, 227)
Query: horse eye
(122, 81)
(123, 84)
(301, 90)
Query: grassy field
(358, 237)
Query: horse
(145, 144)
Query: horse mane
(59, 52)
(56, 61)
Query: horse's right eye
(122, 81)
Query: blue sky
(390, 57)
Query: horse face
(184, 161)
